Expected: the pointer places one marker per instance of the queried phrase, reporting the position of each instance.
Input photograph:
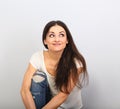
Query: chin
(58, 50)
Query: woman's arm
(25, 89)
(56, 101)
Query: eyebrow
(59, 32)
(62, 32)
(50, 32)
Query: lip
(56, 44)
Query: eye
(51, 35)
(61, 35)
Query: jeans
(40, 89)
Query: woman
(54, 76)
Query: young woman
(54, 76)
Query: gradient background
(95, 26)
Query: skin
(56, 41)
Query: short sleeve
(35, 60)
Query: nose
(57, 38)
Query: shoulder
(78, 63)
(38, 53)
(36, 58)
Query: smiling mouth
(56, 44)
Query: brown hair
(66, 69)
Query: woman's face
(56, 38)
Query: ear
(45, 42)
(67, 42)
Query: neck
(55, 55)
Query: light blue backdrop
(95, 26)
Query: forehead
(56, 28)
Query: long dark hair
(67, 69)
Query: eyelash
(62, 35)
(52, 35)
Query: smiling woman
(56, 38)
(55, 76)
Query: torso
(50, 64)
(41, 62)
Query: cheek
(65, 44)
(66, 41)
(46, 41)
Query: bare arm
(57, 100)
(25, 89)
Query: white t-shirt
(74, 100)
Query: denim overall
(40, 90)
